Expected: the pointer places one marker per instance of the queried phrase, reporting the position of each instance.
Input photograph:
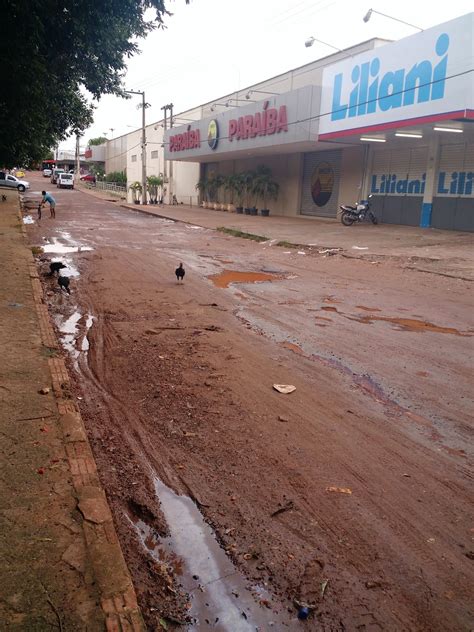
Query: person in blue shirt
(47, 197)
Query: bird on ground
(180, 273)
(56, 266)
(64, 283)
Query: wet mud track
(352, 495)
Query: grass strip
(239, 233)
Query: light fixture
(408, 135)
(310, 41)
(214, 105)
(247, 96)
(369, 139)
(455, 130)
(368, 15)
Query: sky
(213, 47)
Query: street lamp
(143, 105)
(368, 15)
(310, 41)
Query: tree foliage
(100, 140)
(52, 51)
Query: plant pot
(231, 208)
(215, 206)
(264, 212)
(136, 201)
(222, 207)
(239, 210)
(247, 211)
(253, 211)
(204, 204)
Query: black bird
(180, 273)
(64, 283)
(56, 266)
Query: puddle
(74, 338)
(56, 247)
(292, 347)
(411, 324)
(28, 220)
(219, 597)
(226, 277)
(402, 324)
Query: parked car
(7, 180)
(88, 178)
(55, 174)
(47, 173)
(66, 181)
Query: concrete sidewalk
(62, 567)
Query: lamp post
(143, 105)
(310, 41)
(166, 108)
(368, 15)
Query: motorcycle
(357, 213)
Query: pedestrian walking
(47, 197)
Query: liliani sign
(424, 76)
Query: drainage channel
(219, 596)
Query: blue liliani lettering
(394, 89)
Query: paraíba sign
(268, 121)
(456, 183)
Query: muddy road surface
(237, 505)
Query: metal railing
(112, 187)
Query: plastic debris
(339, 490)
(284, 388)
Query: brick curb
(118, 598)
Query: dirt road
(353, 494)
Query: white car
(7, 180)
(66, 181)
(47, 173)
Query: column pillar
(430, 183)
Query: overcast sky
(213, 47)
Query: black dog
(4, 198)
(180, 273)
(56, 266)
(64, 283)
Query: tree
(100, 140)
(52, 52)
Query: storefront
(394, 120)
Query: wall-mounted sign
(457, 183)
(213, 134)
(322, 183)
(424, 76)
(190, 139)
(268, 121)
(284, 119)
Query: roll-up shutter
(321, 176)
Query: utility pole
(78, 161)
(143, 105)
(166, 108)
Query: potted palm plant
(265, 188)
(202, 187)
(229, 188)
(238, 182)
(154, 183)
(249, 179)
(136, 189)
(212, 190)
(219, 181)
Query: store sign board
(455, 183)
(282, 119)
(420, 76)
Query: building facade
(394, 120)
